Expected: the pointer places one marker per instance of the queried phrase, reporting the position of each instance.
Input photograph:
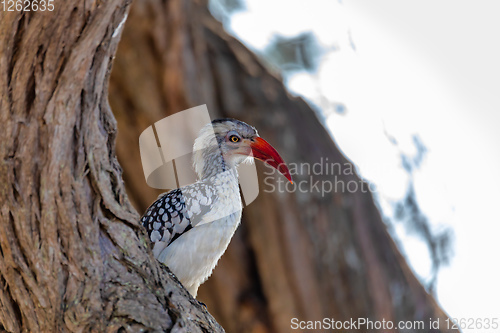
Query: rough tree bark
(296, 255)
(73, 257)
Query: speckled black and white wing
(167, 218)
(178, 211)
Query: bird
(190, 227)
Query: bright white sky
(422, 67)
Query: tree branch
(72, 254)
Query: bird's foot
(202, 304)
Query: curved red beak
(263, 151)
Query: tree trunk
(296, 255)
(73, 257)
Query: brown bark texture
(73, 257)
(296, 255)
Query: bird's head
(225, 143)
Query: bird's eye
(234, 138)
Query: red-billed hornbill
(190, 227)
